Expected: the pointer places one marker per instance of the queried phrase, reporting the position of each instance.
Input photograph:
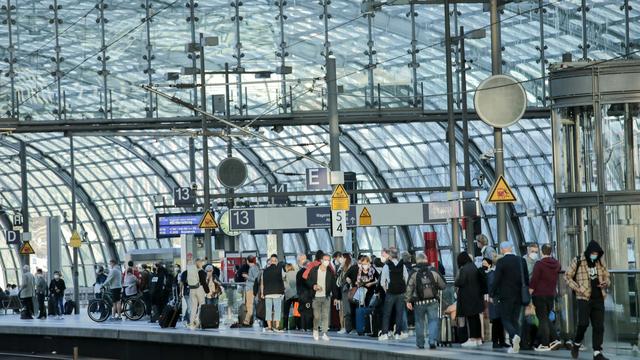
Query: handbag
(525, 296)
(352, 294)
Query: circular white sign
(500, 101)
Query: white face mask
(365, 267)
(533, 256)
(325, 262)
(56, 277)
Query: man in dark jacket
(588, 277)
(506, 289)
(273, 292)
(305, 298)
(394, 282)
(543, 285)
(322, 280)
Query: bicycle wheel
(134, 309)
(98, 310)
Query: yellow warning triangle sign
(340, 199)
(501, 192)
(26, 249)
(365, 217)
(208, 222)
(75, 240)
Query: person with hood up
(588, 277)
(543, 287)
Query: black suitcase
(169, 316)
(69, 306)
(209, 316)
(373, 323)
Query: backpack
(425, 279)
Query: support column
(496, 69)
(10, 21)
(371, 101)
(627, 39)
(104, 108)
(414, 65)
(325, 17)
(57, 59)
(585, 44)
(465, 135)
(282, 54)
(334, 128)
(192, 19)
(541, 48)
(74, 227)
(25, 195)
(238, 55)
(451, 130)
(149, 55)
(208, 247)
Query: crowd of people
(382, 296)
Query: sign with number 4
(338, 223)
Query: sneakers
(542, 348)
(316, 335)
(280, 331)
(598, 355)
(402, 336)
(575, 351)
(342, 331)
(470, 343)
(555, 345)
(383, 337)
(325, 337)
(515, 345)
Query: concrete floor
(291, 343)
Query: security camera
(488, 155)
(194, 186)
(479, 179)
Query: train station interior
(158, 132)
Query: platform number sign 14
(183, 196)
(338, 223)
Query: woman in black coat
(470, 302)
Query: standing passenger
(27, 292)
(543, 285)
(589, 278)
(114, 282)
(510, 270)
(323, 281)
(56, 291)
(252, 276)
(394, 282)
(272, 291)
(470, 302)
(41, 293)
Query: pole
(25, 195)
(451, 130)
(334, 128)
(465, 135)
(205, 149)
(74, 226)
(496, 68)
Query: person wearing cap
(251, 276)
(509, 274)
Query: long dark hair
(463, 259)
(347, 261)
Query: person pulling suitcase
(421, 296)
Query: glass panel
(617, 126)
(577, 162)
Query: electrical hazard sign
(208, 222)
(340, 199)
(501, 192)
(26, 249)
(365, 217)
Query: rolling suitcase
(169, 316)
(209, 316)
(445, 338)
(362, 317)
(374, 323)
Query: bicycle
(99, 309)
(134, 307)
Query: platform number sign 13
(184, 196)
(338, 223)
(242, 219)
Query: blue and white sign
(174, 225)
(244, 219)
(317, 179)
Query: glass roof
(123, 179)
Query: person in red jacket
(543, 287)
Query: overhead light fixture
(173, 76)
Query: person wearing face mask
(56, 291)
(336, 260)
(394, 282)
(588, 277)
(41, 293)
(347, 273)
(272, 291)
(114, 283)
(532, 257)
(543, 285)
(497, 329)
(322, 280)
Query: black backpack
(424, 278)
(69, 306)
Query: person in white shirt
(322, 279)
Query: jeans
(211, 301)
(288, 305)
(274, 308)
(42, 311)
(510, 315)
(592, 310)
(431, 311)
(58, 303)
(146, 297)
(391, 301)
(544, 305)
(346, 319)
(321, 313)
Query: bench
(10, 303)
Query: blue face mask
(593, 257)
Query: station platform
(146, 341)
